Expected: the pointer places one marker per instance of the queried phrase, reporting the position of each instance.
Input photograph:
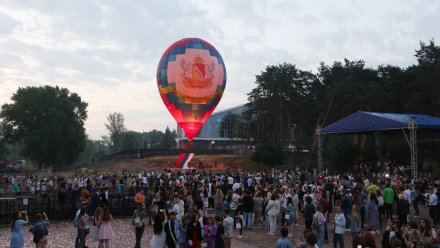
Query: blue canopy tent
(365, 122)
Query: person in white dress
(159, 236)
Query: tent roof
(361, 122)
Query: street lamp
(293, 135)
(143, 134)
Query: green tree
(155, 137)
(285, 95)
(116, 127)
(424, 89)
(279, 100)
(346, 89)
(428, 54)
(168, 139)
(268, 153)
(130, 140)
(49, 121)
(88, 151)
(6, 136)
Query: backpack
(344, 202)
(137, 221)
(39, 230)
(77, 221)
(315, 222)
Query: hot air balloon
(191, 77)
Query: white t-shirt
(249, 181)
(366, 182)
(407, 194)
(236, 186)
(258, 179)
(432, 200)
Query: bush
(271, 154)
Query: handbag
(287, 217)
(238, 225)
(270, 208)
(36, 239)
(137, 221)
(95, 235)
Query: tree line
(46, 126)
(290, 102)
(284, 110)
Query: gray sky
(107, 51)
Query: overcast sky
(108, 51)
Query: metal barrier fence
(120, 204)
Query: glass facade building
(222, 125)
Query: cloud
(107, 51)
(8, 24)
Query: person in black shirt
(73, 200)
(62, 202)
(220, 235)
(171, 230)
(248, 207)
(239, 218)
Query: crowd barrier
(121, 204)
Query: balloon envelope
(191, 78)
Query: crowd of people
(207, 209)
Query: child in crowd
(283, 242)
(302, 238)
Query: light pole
(293, 135)
(143, 134)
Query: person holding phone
(210, 230)
(20, 219)
(39, 230)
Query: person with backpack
(319, 219)
(80, 222)
(39, 230)
(138, 223)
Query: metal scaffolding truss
(412, 142)
(319, 138)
